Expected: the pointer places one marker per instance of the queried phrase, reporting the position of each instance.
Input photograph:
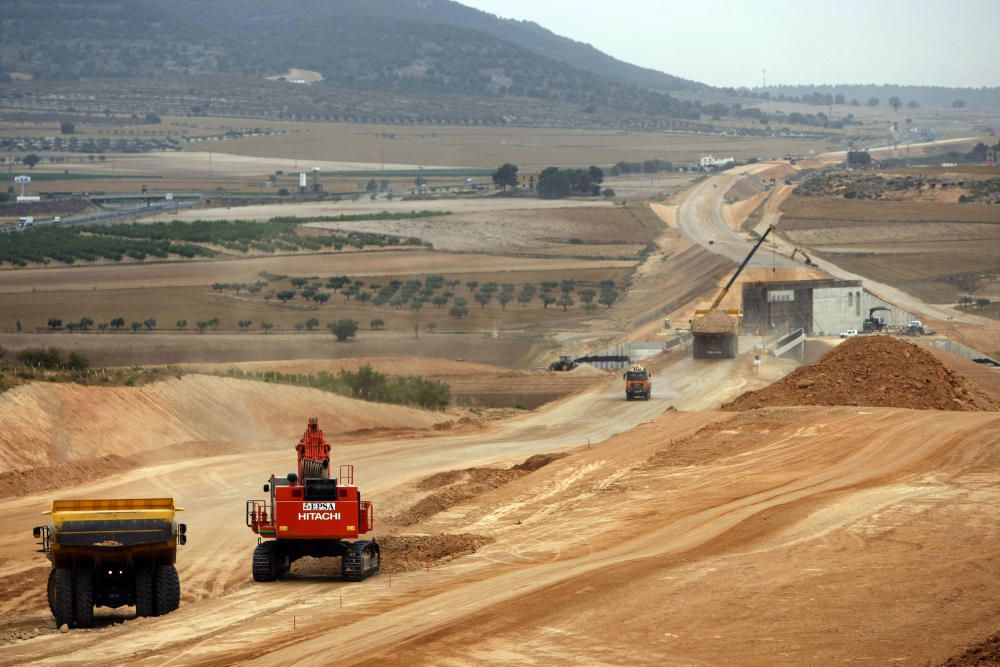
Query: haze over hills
(388, 60)
(404, 46)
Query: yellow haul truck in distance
(111, 553)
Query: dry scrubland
(937, 251)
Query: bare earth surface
(670, 533)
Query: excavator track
(361, 560)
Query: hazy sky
(729, 43)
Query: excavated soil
(981, 655)
(403, 553)
(873, 371)
(454, 486)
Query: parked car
(850, 333)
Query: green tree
(566, 301)
(459, 308)
(31, 160)
(608, 297)
(472, 285)
(55, 323)
(567, 286)
(547, 300)
(912, 104)
(587, 295)
(117, 323)
(553, 184)
(285, 295)
(506, 176)
(958, 104)
(527, 294)
(299, 327)
(483, 298)
(182, 324)
(150, 323)
(873, 101)
(266, 326)
(504, 298)
(201, 325)
(102, 326)
(895, 103)
(312, 323)
(244, 324)
(136, 326)
(343, 328)
(67, 127)
(377, 323)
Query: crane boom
(746, 260)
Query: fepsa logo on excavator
(319, 512)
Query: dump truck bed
(716, 322)
(112, 524)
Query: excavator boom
(746, 260)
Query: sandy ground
(363, 205)
(783, 536)
(682, 540)
(571, 230)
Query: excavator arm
(746, 260)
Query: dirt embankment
(403, 553)
(77, 433)
(872, 371)
(982, 655)
(452, 487)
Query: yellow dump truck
(111, 553)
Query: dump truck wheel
(168, 590)
(265, 565)
(51, 591)
(62, 596)
(83, 599)
(145, 590)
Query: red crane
(311, 514)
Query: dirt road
(213, 566)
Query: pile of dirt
(402, 553)
(455, 486)
(980, 655)
(713, 322)
(405, 553)
(873, 371)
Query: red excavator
(311, 514)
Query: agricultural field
(938, 251)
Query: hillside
(398, 46)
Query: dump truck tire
(51, 591)
(62, 596)
(145, 590)
(168, 590)
(83, 599)
(265, 562)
